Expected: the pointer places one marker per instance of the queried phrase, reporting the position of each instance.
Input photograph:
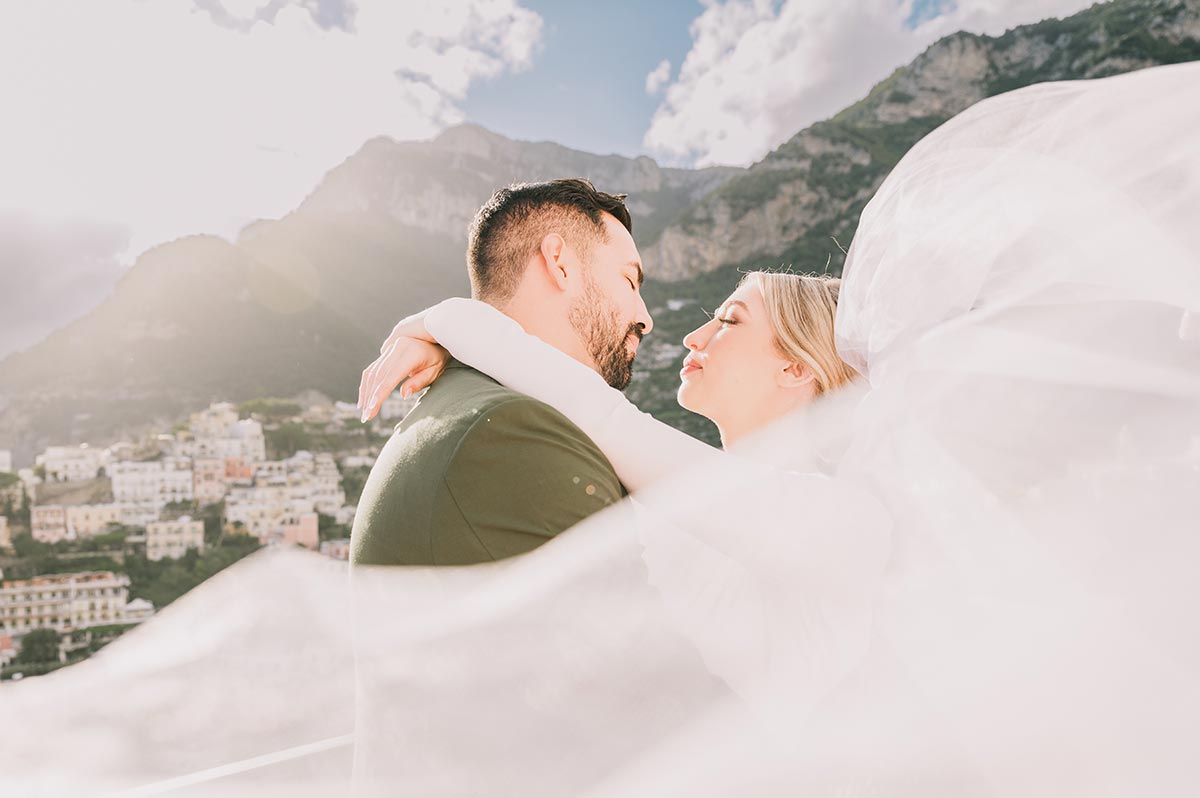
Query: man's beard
(599, 325)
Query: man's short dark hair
(509, 228)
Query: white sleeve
(641, 449)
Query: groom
(478, 472)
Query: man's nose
(643, 317)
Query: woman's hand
(409, 353)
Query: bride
(1020, 300)
(1032, 427)
(766, 352)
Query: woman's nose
(697, 338)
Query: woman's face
(734, 374)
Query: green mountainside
(303, 302)
(800, 205)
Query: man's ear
(553, 251)
(795, 375)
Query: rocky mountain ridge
(302, 302)
(437, 185)
(811, 189)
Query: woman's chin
(687, 399)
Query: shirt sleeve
(524, 473)
(641, 448)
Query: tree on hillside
(40, 645)
(288, 439)
(269, 409)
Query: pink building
(239, 471)
(301, 530)
(208, 474)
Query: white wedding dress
(976, 577)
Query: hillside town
(218, 487)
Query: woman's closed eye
(724, 318)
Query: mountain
(438, 185)
(786, 207)
(801, 203)
(303, 302)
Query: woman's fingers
(407, 358)
(372, 377)
(423, 378)
(412, 329)
(364, 384)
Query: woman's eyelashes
(723, 320)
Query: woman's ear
(795, 375)
(553, 251)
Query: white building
(172, 539)
(5, 533)
(345, 514)
(48, 522)
(213, 422)
(345, 411)
(358, 461)
(328, 496)
(89, 520)
(396, 407)
(29, 479)
(167, 480)
(274, 513)
(63, 601)
(138, 610)
(139, 513)
(271, 472)
(208, 479)
(142, 489)
(71, 463)
(5, 460)
(303, 483)
(119, 453)
(337, 549)
(217, 432)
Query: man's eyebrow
(638, 266)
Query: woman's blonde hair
(801, 309)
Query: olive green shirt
(477, 472)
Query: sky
(129, 123)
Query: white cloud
(151, 116)
(760, 70)
(245, 9)
(658, 77)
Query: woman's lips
(689, 367)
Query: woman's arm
(809, 526)
(641, 449)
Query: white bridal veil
(974, 575)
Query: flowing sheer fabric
(1021, 295)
